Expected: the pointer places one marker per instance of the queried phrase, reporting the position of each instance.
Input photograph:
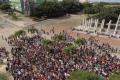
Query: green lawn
(84, 75)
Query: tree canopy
(49, 9)
(80, 41)
(5, 6)
(46, 42)
(93, 9)
(56, 9)
(103, 11)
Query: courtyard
(61, 24)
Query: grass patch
(3, 77)
(115, 77)
(84, 75)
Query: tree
(89, 10)
(5, 6)
(96, 8)
(50, 9)
(72, 6)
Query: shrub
(46, 42)
(20, 33)
(32, 30)
(59, 37)
(80, 41)
(5, 6)
(70, 50)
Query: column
(91, 22)
(116, 27)
(102, 25)
(96, 25)
(84, 21)
(88, 25)
(109, 24)
(84, 26)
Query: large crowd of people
(32, 60)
